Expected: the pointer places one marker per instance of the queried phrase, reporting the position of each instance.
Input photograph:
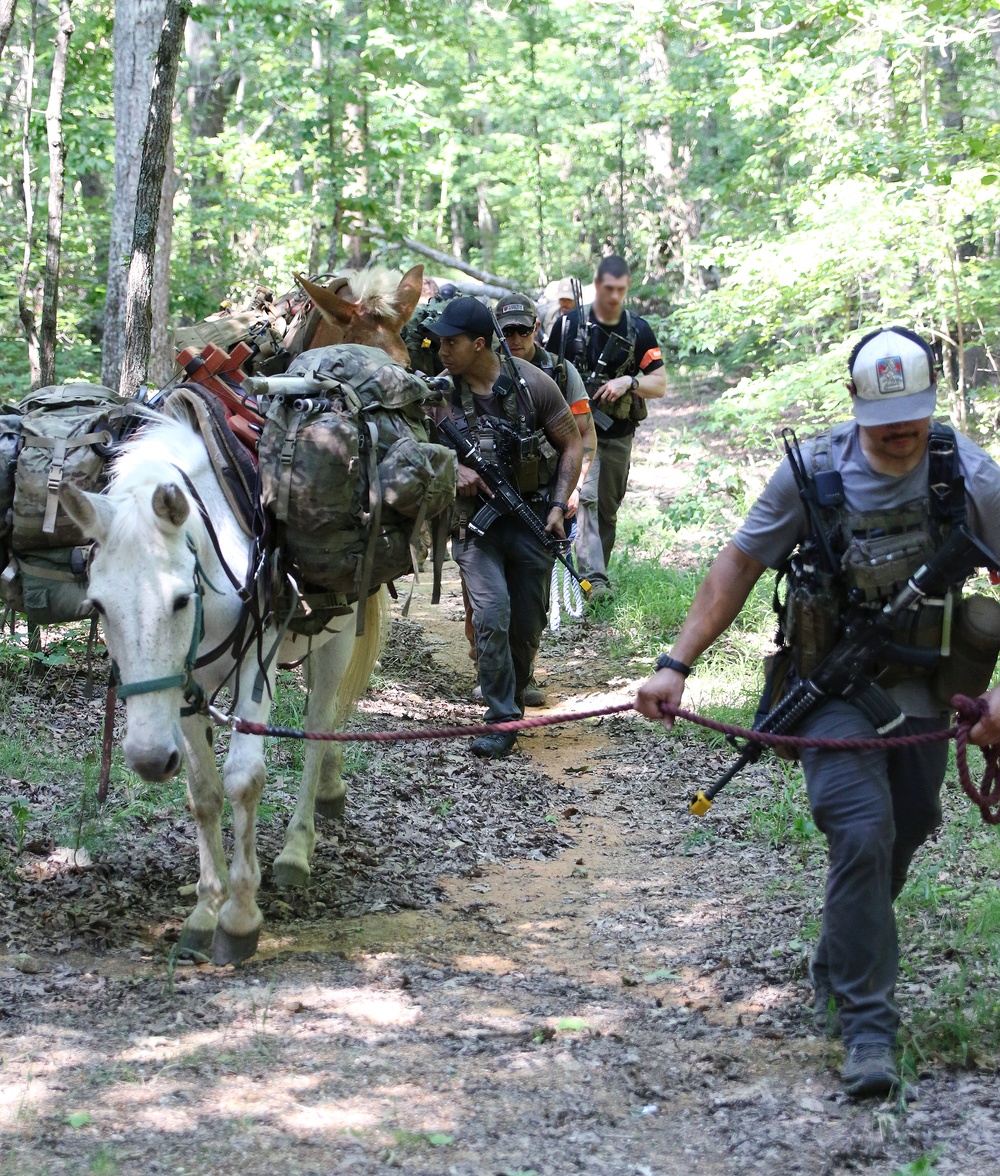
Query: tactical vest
(616, 359)
(877, 551)
(513, 441)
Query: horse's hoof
(233, 949)
(333, 810)
(195, 945)
(290, 875)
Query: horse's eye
(181, 602)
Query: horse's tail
(367, 648)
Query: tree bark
(57, 188)
(993, 28)
(161, 364)
(7, 10)
(26, 307)
(138, 24)
(446, 259)
(135, 358)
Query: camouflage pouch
(10, 442)
(49, 586)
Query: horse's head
(366, 306)
(142, 581)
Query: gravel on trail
(541, 965)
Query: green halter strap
(194, 696)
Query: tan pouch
(975, 647)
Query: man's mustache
(900, 436)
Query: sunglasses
(521, 332)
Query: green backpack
(65, 432)
(347, 468)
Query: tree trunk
(161, 364)
(7, 9)
(57, 187)
(26, 308)
(948, 92)
(135, 357)
(993, 27)
(137, 33)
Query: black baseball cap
(464, 316)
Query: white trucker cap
(894, 380)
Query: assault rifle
(505, 501)
(602, 421)
(842, 674)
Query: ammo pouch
(875, 566)
(975, 647)
(812, 624)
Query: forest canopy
(781, 176)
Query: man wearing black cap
(903, 482)
(506, 572)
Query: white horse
(156, 579)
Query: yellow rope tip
(700, 805)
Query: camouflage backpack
(347, 468)
(65, 434)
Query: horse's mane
(373, 289)
(153, 456)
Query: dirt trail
(588, 981)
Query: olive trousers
(876, 808)
(506, 574)
(600, 497)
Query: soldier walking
(622, 366)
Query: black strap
(945, 484)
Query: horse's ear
(92, 513)
(331, 306)
(408, 294)
(170, 504)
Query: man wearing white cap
(893, 485)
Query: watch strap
(564, 507)
(666, 662)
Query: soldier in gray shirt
(875, 807)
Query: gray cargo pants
(507, 574)
(876, 808)
(600, 497)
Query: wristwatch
(635, 384)
(562, 506)
(666, 662)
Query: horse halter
(194, 696)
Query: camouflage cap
(516, 308)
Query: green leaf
(439, 1139)
(572, 1024)
(989, 178)
(661, 974)
(78, 1119)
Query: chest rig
(876, 552)
(616, 358)
(512, 440)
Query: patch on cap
(889, 374)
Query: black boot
(494, 746)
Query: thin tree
(26, 303)
(57, 168)
(138, 315)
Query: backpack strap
(60, 447)
(945, 484)
(374, 523)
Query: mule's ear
(92, 513)
(331, 306)
(408, 294)
(170, 504)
